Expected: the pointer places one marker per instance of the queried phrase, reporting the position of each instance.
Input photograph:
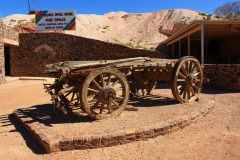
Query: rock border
(55, 142)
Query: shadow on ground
(8, 120)
(151, 100)
(47, 115)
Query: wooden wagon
(102, 88)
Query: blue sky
(101, 7)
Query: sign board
(55, 20)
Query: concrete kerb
(55, 142)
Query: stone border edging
(54, 142)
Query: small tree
(230, 10)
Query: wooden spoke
(102, 80)
(96, 83)
(188, 93)
(118, 89)
(192, 91)
(118, 97)
(115, 83)
(195, 87)
(190, 68)
(182, 89)
(184, 70)
(187, 69)
(109, 79)
(90, 98)
(184, 93)
(181, 80)
(196, 74)
(180, 74)
(93, 90)
(193, 68)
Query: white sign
(55, 20)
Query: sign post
(55, 20)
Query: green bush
(183, 17)
(105, 27)
(129, 44)
(12, 20)
(33, 20)
(203, 14)
(20, 21)
(152, 49)
(103, 31)
(139, 46)
(217, 16)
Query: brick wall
(2, 66)
(222, 77)
(38, 49)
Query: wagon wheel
(141, 86)
(104, 93)
(186, 79)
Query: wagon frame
(102, 88)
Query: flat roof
(213, 29)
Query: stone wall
(222, 77)
(11, 33)
(2, 66)
(38, 49)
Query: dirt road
(216, 136)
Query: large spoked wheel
(104, 93)
(186, 79)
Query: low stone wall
(222, 77)
(38, 49)
(2, 66)
(53, 141)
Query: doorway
(7, 60)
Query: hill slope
(146, 29)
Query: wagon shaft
(101, 88)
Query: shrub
(202, 14)
(152, 49)
(20, 21)
(183, 17)
(139, 46)
(105, 27)
(217, 16)
(12, 20)
(103, 31)
(33, 20)
(129, 44)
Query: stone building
(8, 39)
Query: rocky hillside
(142, 30)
